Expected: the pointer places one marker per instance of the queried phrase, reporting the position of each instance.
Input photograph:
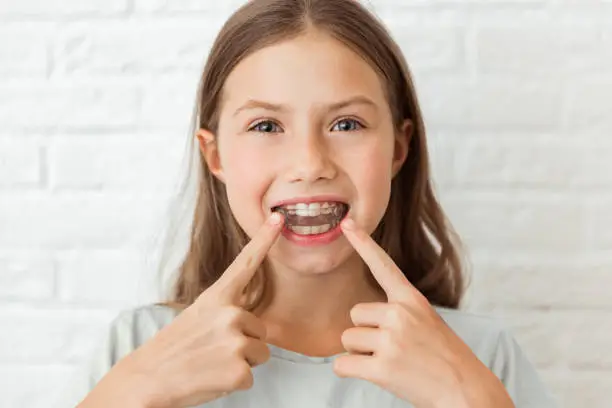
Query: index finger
(238, 275)
(385, 271)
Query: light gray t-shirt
(293, 380)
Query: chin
(314, 260)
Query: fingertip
(338, 366)
(275, 218)
(347, 224)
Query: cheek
(246, 181)
(376, 182)
(372, 179)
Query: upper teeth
(310, 209)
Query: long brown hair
(414, 230)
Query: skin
(323, 290)
(405, 347)
(307, 153)
(179, 366)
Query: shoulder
(128, 330)
(132, 327)
(474, 320)
(145, 317)
(488, 337)
(495, 345)
(473, 327)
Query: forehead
(310, 69)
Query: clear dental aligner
(312, 218)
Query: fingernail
(275, 218)
(348, 224)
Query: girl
(313, 151)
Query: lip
(310, 199)
(312, 240)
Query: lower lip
(314, 239)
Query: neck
(313, 302)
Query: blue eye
(265, 126)
(347, 125)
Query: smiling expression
(305, 128)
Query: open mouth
(313, 218)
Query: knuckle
(263, 330)
(387, 339)
(265, 353)
(241, 377)
(249, 261)
(239, 345)
(200, 312)
(262, 352)
(422, 302)
(232, 315)
(386, 364)
(395, 314)
(388, 263)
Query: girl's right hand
(208, 350)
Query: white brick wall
(95, 98)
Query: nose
(310, 161)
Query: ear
(210, 152)
(402, 146)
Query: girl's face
(305, 125)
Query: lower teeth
(306, 230)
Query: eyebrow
(256, 104)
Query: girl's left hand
(405, 347)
